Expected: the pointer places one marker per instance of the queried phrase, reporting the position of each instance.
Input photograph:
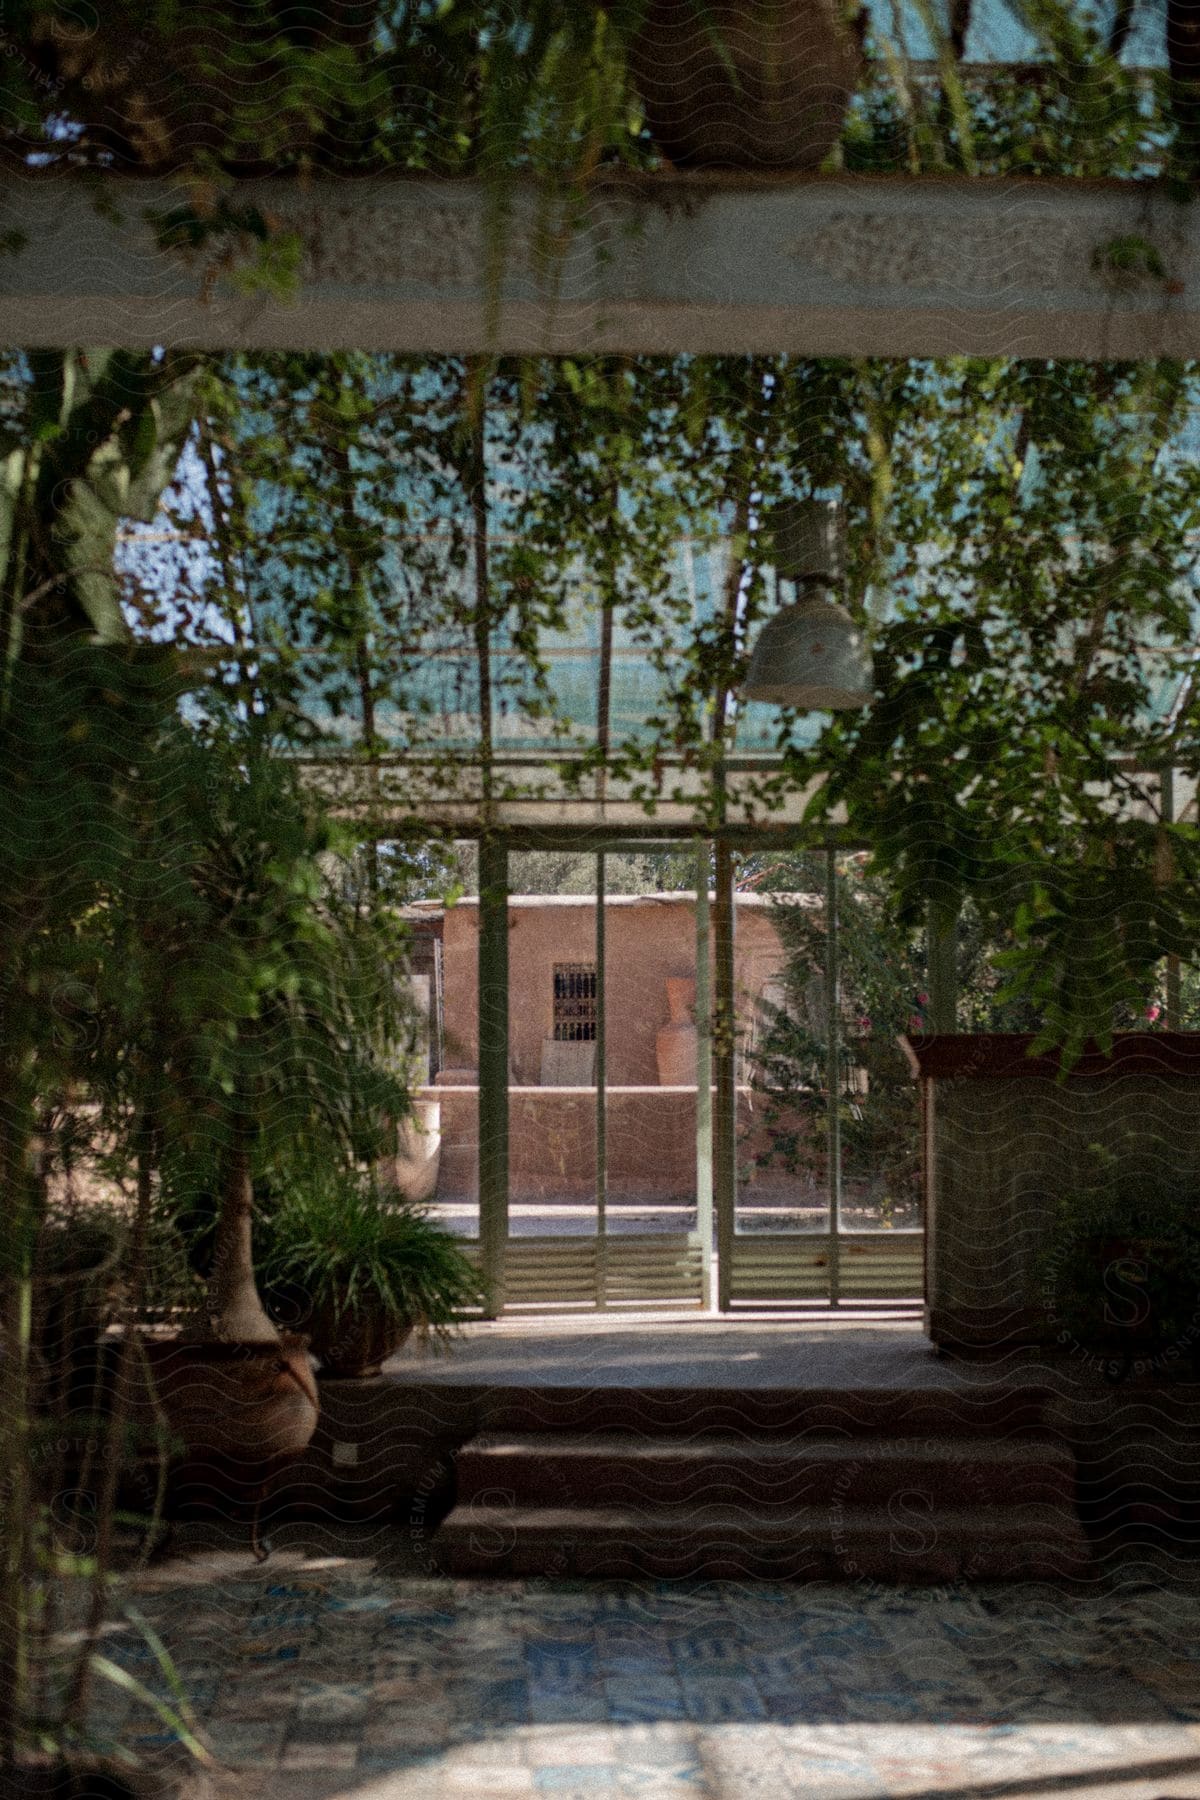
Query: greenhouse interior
(600, 970)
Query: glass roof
(379, 633)
(426, 679)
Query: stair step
(985, 1409)
(766, 1474)
(1026, 1542)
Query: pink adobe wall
(652, 1134)
(648, 939)
(651, 1145)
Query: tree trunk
(75, 1707)
(235, 1309)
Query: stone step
(764, 1475)
(725, 1543)
(985, 1409)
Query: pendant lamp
(810, 654)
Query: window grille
(574, 1003)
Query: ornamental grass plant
(347, 1260)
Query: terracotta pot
(355, 1346)
(675, 1044)
(796, 64)
(246, 1404)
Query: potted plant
(1121, 1272)
(270, 1016)
(237, 1389)
(746, 84)
(365, 1271)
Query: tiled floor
(324, 1675)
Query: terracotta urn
(419, 1152)
(746, 84)
(675, 1045)
(248, 1404)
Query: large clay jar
(248, 1405)
(675, 1045)
(746, 84)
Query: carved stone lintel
(438, 246)
(882, 250)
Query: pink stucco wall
(651, 1133)
(647, 940)
(651, 1145)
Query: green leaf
(171, 1718)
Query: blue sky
(997, 34)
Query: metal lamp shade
(811, 655)
(807, 540)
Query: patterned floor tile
(569, 1709)
(556, 1660)
(722, 1698)
(406, 1727)
(637, 1667)
(559, 1778)
(634, 1698)
(383, 1761)
(347, 1680)
(570, 1745)
(498, 1782)
(492, 1701)
(319, 1756)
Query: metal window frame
(716, 1089)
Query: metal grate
(772, 1268)
(559, 1275)
(574, 1003)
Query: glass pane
(552, 998)
(650, 928)
(881, 1185)
(783, 1130)
(439, 1151)
(880, 993)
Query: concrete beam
(819, 266)
(400, 792)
